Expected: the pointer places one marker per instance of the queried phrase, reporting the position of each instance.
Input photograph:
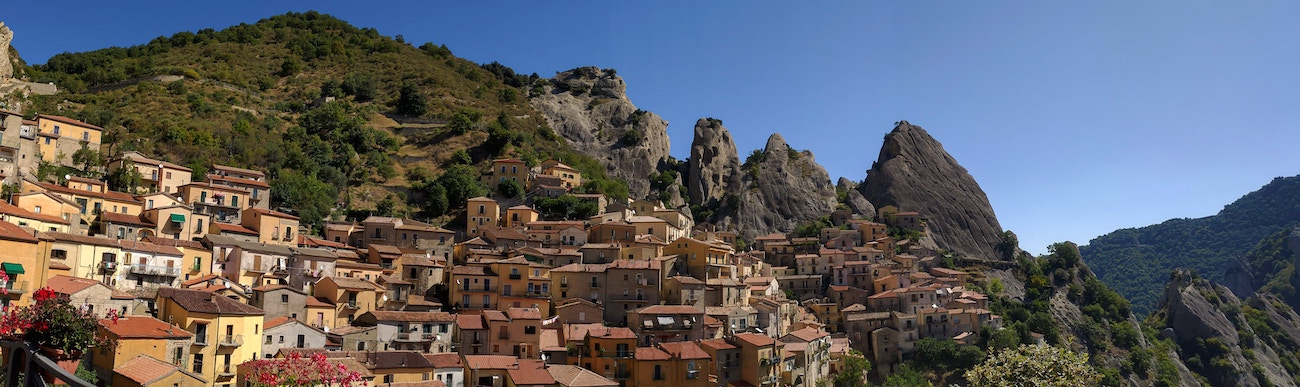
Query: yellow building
(681, 363)
(520, 215)
(91, 195)
(223, 202)
(760, 358)
(26, 260)
(351, 297)
(571, 177)
(39, 221)
(226, 332)
(133, 336)
(50, 204)
(146, 371)
(155, 175)
(481, 213)
(507, 169)
(86, 256)
(711, 259)
(60, 137)
(273, 227)
(177, 221)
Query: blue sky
(1075, 118)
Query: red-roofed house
(667, 323)
(672, 364)
(140, 335)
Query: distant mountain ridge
(1137, 261)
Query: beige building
(273, 227)
(481, 213)
(155, 175)
(61, 137)
(254, 182)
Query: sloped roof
(70, 285)
(756, 339)
(145, 370)
(205, 302)
(113, 217)
(575, 376)
(6, 208)
(686, 350)
(444, 360)
(144, 327)
(491, 362)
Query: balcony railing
(108, 265)
(622, 374)
(200, 339)
(32, 362)
(14, 287)
(351, 304)
(231, 340)
(155, 270)
(479, 289)
(516, 276)
(226, 371)
(414, 336)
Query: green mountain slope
(1137, 261)
(253, 95)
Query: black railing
(24, 365)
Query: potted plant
(61, 331)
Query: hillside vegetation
(1137, 261)
(254, 95)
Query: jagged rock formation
(856, 202)
(785, 189)
(714, 166)
(590, 109)
(1206, 321)
(914, 173)
(6, 63)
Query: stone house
(284, 332)
(429, 332)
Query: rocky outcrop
(714, 166)
(914, 173)
(590, 109)
(780, 191)
(6, 63)
(854, 199)
(1206, 321)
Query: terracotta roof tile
(491, 362)
(717, 344)
(145, 370)
(232, 228)
(13, 232)
(70, 285)
(530, 372)
(276, 214)
(575, 376)
(113, 217)
(405, 316)
(469, 322)
(444, 360)
(524, 314)
(670, 309)
(684, 350)
(651, 354)
(196, 301)
(756, 339)
(143, 327)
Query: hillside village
(208, 274)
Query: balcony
(485, 288)
(108, 265)
(196, 266)
(693, 374)
(622, 374)
(15, 287)
(414, 337)
(516, 276)
(231, 341)
(351, 304)
(504, 335)
(200, 339)
(226, 371)
(314, 273)
(163, 271)
(623, 353)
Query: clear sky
(1075, 118)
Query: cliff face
(714, 166)
(773, 192)
(1217, 340)
(914, 173)
(785, 189)
(590, 109)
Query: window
(284, 298)
(659, 374)
(529, 330)
(234, 200)
(268, 339)
(38, 209)
(198, 363)
(388, 378)
(56, 129)
(169, 175)
(85, 136)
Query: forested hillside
(400, 117)
(1137, 261)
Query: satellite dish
(67, 177)
(384, 297)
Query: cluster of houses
(208, 276)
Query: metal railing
(155, 270)
(414, 336)
(227, 370)
(231, 340)
(25, 363)
(15, 286)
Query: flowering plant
(51, 321)
(296, 370)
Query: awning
(178, 218)
(12, 268)
(666, 320)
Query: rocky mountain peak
(6, 63)
(915, 173)
(590, 109)
(714, 164)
